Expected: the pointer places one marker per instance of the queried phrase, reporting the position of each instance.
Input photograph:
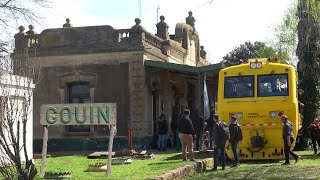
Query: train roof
(274, 63)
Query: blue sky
(222, 24)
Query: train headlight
(273, 114)
(256, 65)
(239, 115)
(253, 65)
(259, 65)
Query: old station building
(145, 74)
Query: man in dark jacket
(186, 133)
(234, 129)
(288, 138)
(162, 131)
(219, 143)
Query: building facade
(144, 74)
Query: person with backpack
(235, 137)
(220, 137)
(288, 138)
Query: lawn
(139, 169)
(306, 168)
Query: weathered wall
(111, 86)
(138, 100)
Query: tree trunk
(308, 66)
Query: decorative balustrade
(153, 40)
(123, 35)
(100, 37)
(32, 39)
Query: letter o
(63, 120)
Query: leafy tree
(252, 50)
(286, 35)
(243, 53)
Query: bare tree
(18, 75)
(17, 78)
(12, 10)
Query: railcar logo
(256, 115)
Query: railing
(125, 37)
(153, 40)
(32, 39)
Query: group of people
(189, 133)
(223, 133)
(220, 134)
(162, 129)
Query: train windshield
(273, 85)
(239, 87)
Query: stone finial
(20, 42)
(203, 53)
(136, 34)
(162, 29)
(67, 24)
(137, 27)
(190, 19)
(138, 21)
(21, 29)
(31, 30)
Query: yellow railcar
(259, 93)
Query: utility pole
(139, 7)
(158, 8)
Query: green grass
(138, 169)
(306, 168)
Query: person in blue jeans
(235, 137)
(162, 132)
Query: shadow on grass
(164, 163)
(267, 170)
(197, 155)
(310, 157)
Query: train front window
(239, 87)
(273, 85)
